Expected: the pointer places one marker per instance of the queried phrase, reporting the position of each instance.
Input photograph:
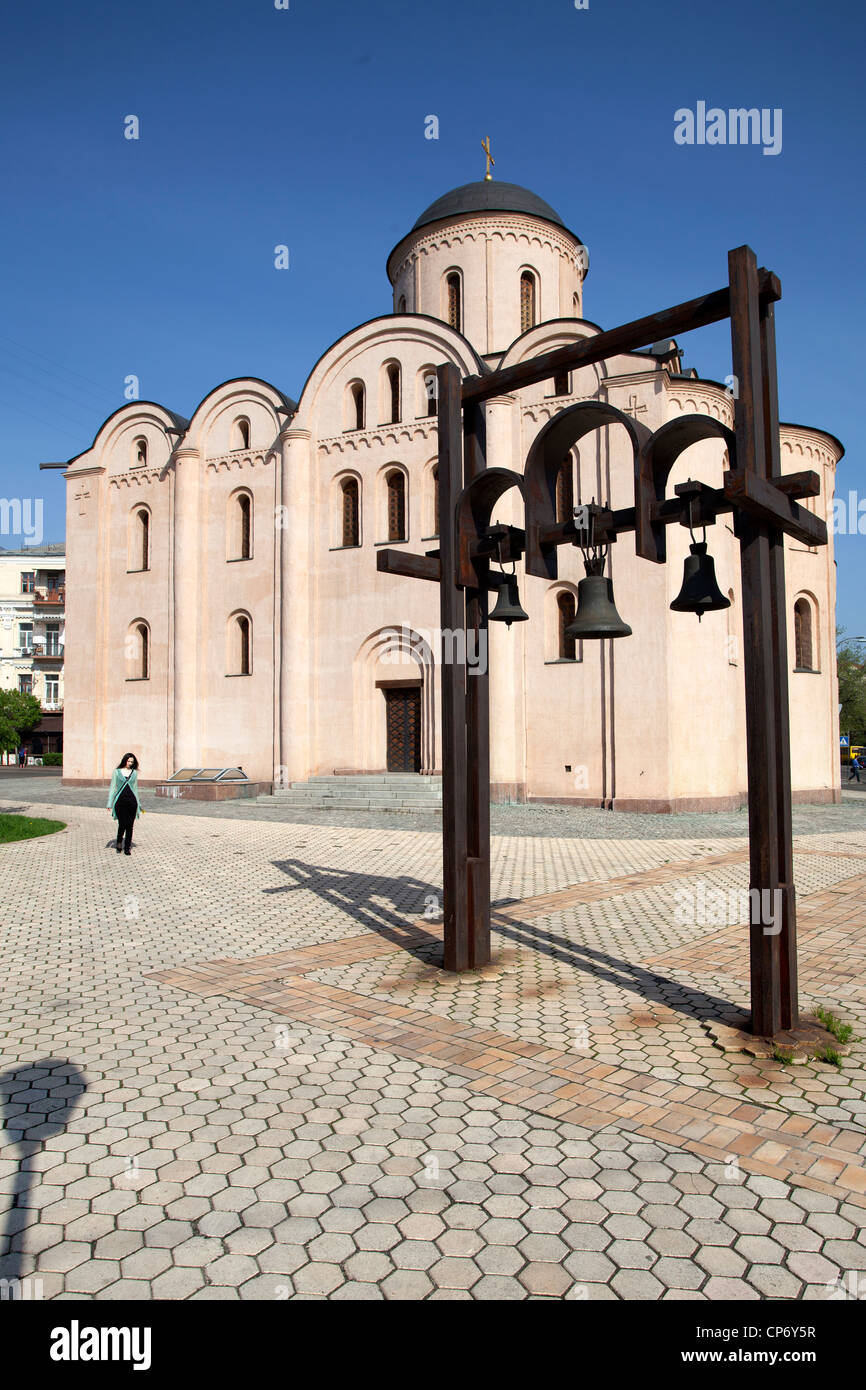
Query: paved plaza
(233, 1068)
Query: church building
(224, 606)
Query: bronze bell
(596, 614)
(508, 609)
(699, 593)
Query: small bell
(596, 615)
(508, 609)
(699, 593)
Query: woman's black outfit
(125, 807)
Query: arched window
(358, 405)
(139, 652)
(427, 390)
(142, 537)
(241, 433)
(401, 305)
(455, 308)
(803, 656)
(561, 386)
(396, 485)
(240, 525)
(246, 525)
(527, 300)
(351, 512)
(139, 452)
(565, 490)
(394, 393)
(575, 306)
(240, 645)
(435, 477)
(565, 604)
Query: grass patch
(830, 1056)
(779, 1055)
(841, 1031)
(26, 827)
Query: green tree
(851, 666)
(19, 713)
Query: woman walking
(123, 802)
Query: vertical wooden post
(477, 723)
(762, 692)
(779, 641)
(452, 674)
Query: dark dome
(488, 195)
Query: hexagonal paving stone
(454, 1273)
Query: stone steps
(399, 792)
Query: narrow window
(560, 384)
(243, 624)
(394, 392)
(401, 306)
(396, 484)
(527, 301)
(803, 635)
(245, 509)
(431, 388)
(351, 527)
(454, 306)
(139, 449)
(358, 401)
(241, 434)
(436, 500)
(28, 581)
(143, 540)
(143, 654)
(565, 490)
(565, 604)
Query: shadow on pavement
(37, 1100)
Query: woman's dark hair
(122, 762)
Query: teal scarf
(118, 782)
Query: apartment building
(32, 635)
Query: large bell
(699, 593)
(508, 609)
(596, 615)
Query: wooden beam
(761, 712)
(695, 313)
(414, 566)
(805, 484)
(761, 499)
(788, 985)
(452, 674)
(477, 720)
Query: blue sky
(305, 127)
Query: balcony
(39, 652)
(52, 706)
(49, 598)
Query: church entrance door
(403, 727)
